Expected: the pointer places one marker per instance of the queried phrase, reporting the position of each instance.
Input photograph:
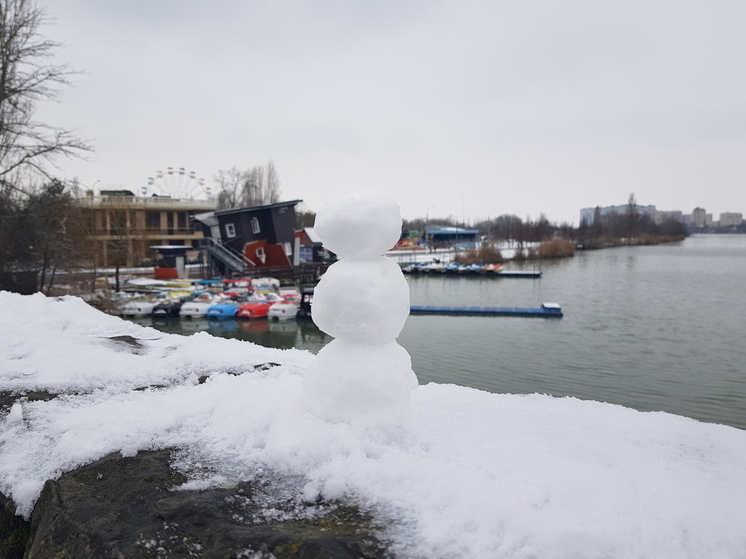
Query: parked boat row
(480, 270)
(452, 268)
(218, 299)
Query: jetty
(473, 270)
(547, 310)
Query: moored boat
(224, 309)
(255, 308)
(137, 307)
(283, 310)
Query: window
(230, 230)
(288, 249)
(255, 225)
(260, 254)
(153, 220)
(306, 254)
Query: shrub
(482, 255)
(556, 248)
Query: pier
(547, 310)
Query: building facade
(731, 219)
(123, 227)
(244, 240)
(588, 215)
(699, 217)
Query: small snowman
(363, 375)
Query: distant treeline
(631, 227)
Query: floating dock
(517, 274)
(547, 310)
(470, 273)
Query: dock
(547, 310)
(517, 274)
(469, 272)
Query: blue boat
(226, 309)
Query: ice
(363, 300)
(364, 224)
(360, 382)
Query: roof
(451, 231)
(265, 207)
(311, 232)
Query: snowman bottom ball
(358, 382)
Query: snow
(467, 474)
(363, 224)
(376, 390)
(363, 300)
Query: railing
(148, 232)
(153, 202)
(231, 258)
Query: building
(447, 237)
(253, 239)
(123, 227)
(699, 217)
(311, 248)
(588, 215)
(731, 219)
(674, 215)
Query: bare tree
(632, 218)
(256, 187)
(229, 186)
(272, 185)
(25, 79)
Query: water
(652, 328)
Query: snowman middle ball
(362, 300)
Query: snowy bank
(471, 474)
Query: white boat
(283, 310)
(197, 307)
(137, 308)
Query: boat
(197, 307)
(290, 293)
(171, 307)
(223, 309)
(304, 309)
(255, 308)
(137, 307)
(283, 310)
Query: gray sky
(464, 108)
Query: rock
(14, 530)
(129, 508)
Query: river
(657, 328)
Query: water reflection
(286, 334)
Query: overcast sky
(464, 108)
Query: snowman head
(361, 225)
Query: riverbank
(642, 240)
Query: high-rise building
(699, 217)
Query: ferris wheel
(177, 184)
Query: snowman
(363, 375)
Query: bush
(556, 248)
(482, 255)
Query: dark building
(242, 240)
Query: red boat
(256, 308)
